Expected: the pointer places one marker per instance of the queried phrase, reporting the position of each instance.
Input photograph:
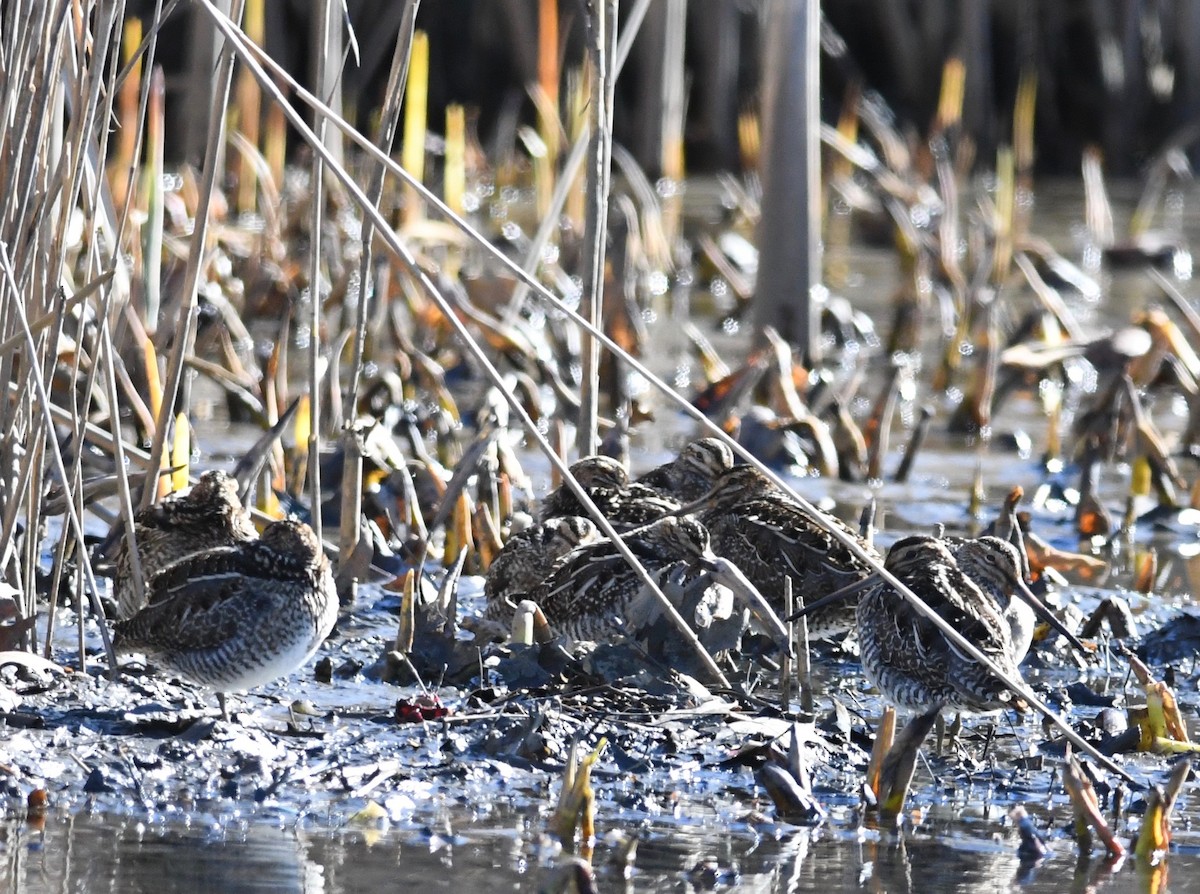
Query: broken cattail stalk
(573, 810)
(353, 447)
(1097, 210)
(978, 495)
(879, 424)
(1023, 146)
(275, 143)
(549, 76)
(127, 114)
(896, 772)
(153, 201)
(950, 98)
(248, 100)
(885, 735)
(181, 453)
(154, 391)
(785, 665)
(1155, 835)
(504, 499)
(579, 89)
(804, 663)
(1006, 203)
(411, 505)
(1147, 571)
(1087, 811)
(458, 532)
(558, 435)
(447, 597)
(915, 443)
(749, 134)
(406, 630)
(487, 537)
(301, 432)
(454, 179)
(416, 94)
(793, 800)
(1162, 726)
(529, 624)
(837, 214)
(1042, 556)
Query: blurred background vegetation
(1120, 74)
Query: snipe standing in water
(626, 505)
(908, 658)
(235, 617)
(208, 515)
(772, 538)
(691, 474)
(526, 560)
(592, 593)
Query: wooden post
(789, 293)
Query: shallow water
(97, 854)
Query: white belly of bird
(273, 666)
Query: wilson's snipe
(626, 505)
(1001, 568)
(691, 474)
(206, 516)
(593, 593)
(526, 560)
(235, 617)
(996, 568)
(908, 658)
(773, 539)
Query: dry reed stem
(602, 52)
(388, 124)
(177, 389)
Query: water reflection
(91, 853)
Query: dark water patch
(239, 854)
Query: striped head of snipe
(995, 565)
(736, 485)
(213, 500)
(571, 531)
(910, 554)
(289, 546)
(594, 472)
(699, 465)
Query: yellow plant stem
(416, 98)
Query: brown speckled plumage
(908, 658)
(206, 516)
(626, 505)
(593, 593)
(691, 474)
(526, 560)
(772, 538)
(235, 617)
